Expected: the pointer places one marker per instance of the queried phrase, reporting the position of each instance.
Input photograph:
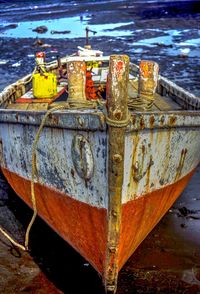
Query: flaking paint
(157, 158)
(54, 160)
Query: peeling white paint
(54, 161)
(165, 147)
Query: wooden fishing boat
(106, 171)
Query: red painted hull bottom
(80, 224)
(85, 226)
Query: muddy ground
(168, 261)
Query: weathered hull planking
(159, 162)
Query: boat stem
(118, 119)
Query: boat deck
(161, 103)
(169, 96)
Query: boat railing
(168, 88)
(183, 97)
(15, 90)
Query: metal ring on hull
(82, 157)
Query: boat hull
(159, 159)
(140, 216)
(84, 227)
(103, 176)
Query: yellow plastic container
(44, 86)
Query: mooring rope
(82, 104)
(118, 123)
(33, 172)
(15, 243)
(77, 104)
(142, 102)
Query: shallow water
(73, 24)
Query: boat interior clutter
(81, 82)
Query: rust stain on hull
(83, 226)
(181, 163)
(140, 216)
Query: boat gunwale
(171, 89)
(67, 119)
(96, 120)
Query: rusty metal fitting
(112, 249)
(111, 289)
(117, 114)
(80, 121)
(82, 157)
(114, 213)
(117, 158)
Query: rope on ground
(15, 243)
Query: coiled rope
(118, 123)
(81, 104)
(142, 102)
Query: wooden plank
(132, 88)
(29, 98)
(29, 106)
(117, 112)
(154, 108)
(19, 106)
(165, 103)
(37, 106)
(172, 102)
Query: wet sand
(168, 261)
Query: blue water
(169, 43)
(73, 24)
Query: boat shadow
(62, 265)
